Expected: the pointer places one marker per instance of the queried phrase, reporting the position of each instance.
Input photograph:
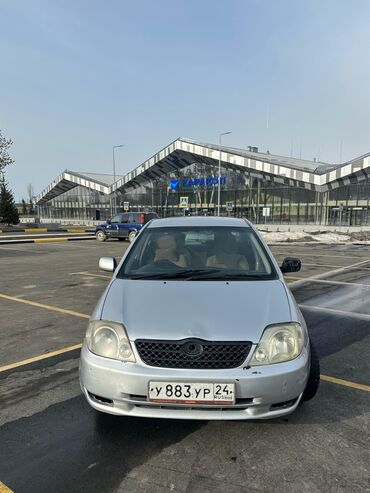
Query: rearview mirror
(108, 264)
(290, 264)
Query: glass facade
(258, 197)
(252, 196)
(79, 203)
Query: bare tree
(31, 197)
(5, 159)
(30, 191)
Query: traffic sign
(184, 202)
(266, 211)
(229, 206)
(126, 206)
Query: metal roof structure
(290, 171)
(70, 179)
(184, 152)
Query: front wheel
(100, 235)
(131, 236)
(314, 377)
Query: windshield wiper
(219, 275)
(186, 274)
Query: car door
(112, 228)
(124, 225)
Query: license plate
(192, 393)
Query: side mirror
(291, 264)
(108, 221)
(108, 264)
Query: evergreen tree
(8, 210)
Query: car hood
(212, 310)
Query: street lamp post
(219, 172)
(114, 202)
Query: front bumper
(262, 392)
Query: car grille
(193, 353)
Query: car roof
(189, 221)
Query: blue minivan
(124, 225)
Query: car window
(149, 216)
(198, 237)
(116, 219)
(143, 217)
(125, 218)
(136, 217)
(216, 252)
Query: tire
(100, 235)
(314, 377)
(131, 236)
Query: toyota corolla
(198, 323)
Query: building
(77, 197)
(260, 186)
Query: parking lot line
(345, 383)
(85, 273)
(318, 255)
(28, 361)
(322, 275)
(4, 488)
(327, 281)
(20, 248)
(46, 307)
(365, 316)
(310, 254)
(329, 265)
(334, 266)
(296, 278)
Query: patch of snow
(291, 236)
(331, 238)
(284, 235)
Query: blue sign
(184, 202)
(196, 182)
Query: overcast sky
(79, 76)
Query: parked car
(124, 225)
(198, 323)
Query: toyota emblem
(192, 349)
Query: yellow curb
(36, 230)
(75, 231)
(50, 240)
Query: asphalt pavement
(52, 441)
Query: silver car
(198, 323)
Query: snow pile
(331, 237)
(281, 236)
(302, 236)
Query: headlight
(282, 342)
(109, 339)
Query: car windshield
(198, 253)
